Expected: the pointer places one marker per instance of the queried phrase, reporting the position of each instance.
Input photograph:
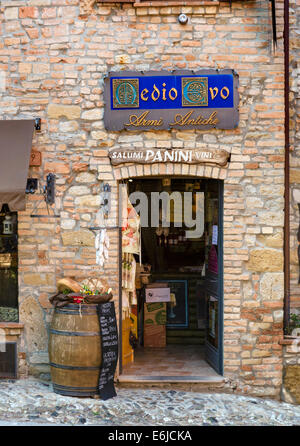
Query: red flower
(78, 299)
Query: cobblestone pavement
(33, 402)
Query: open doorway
(172, 282)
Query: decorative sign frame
(182, 99)
(150, 156)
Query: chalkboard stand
(109, 341)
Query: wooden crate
(154, 336)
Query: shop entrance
(172, 279)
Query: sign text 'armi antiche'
(171, 100)
(194, 156)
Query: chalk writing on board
(109, 341)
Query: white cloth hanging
(102, 247)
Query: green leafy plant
(295, 320)
(86, 290)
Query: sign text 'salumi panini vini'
(165, 100)
(195, 156)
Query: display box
(155, 313)
(155, 336)
(161, 294)
(157, 285)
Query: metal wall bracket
(49, 189)
(49, 196)
(105, 198)
(99, 228)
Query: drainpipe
(286, 172)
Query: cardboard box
(158, 294)
(155, 336)
(155, 313)
(157, 285)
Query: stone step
(186, 383)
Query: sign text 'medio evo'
(158, 100)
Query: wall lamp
(183, 19)
(48, 190)
(37, 124)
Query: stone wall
(295, 155)
(55, 60)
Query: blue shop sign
(182, 99)
(170, 92)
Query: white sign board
(157, 295)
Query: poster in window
(213, 321)
(214, 235)
(213, 260)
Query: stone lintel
(12, 328)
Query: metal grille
(8, 360)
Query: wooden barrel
(75, 350)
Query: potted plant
(294, 328)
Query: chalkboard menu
(109, 340)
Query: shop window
(8, 266)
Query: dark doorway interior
(180, 263)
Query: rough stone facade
(295, 155)
(55, 54)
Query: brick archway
(158, 169)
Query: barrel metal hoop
(75, 391)
(72, 367)
(77, 306)
(74, 333)
(60, 386)
(75, 312)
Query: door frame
(220, 283)
(215, 356)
